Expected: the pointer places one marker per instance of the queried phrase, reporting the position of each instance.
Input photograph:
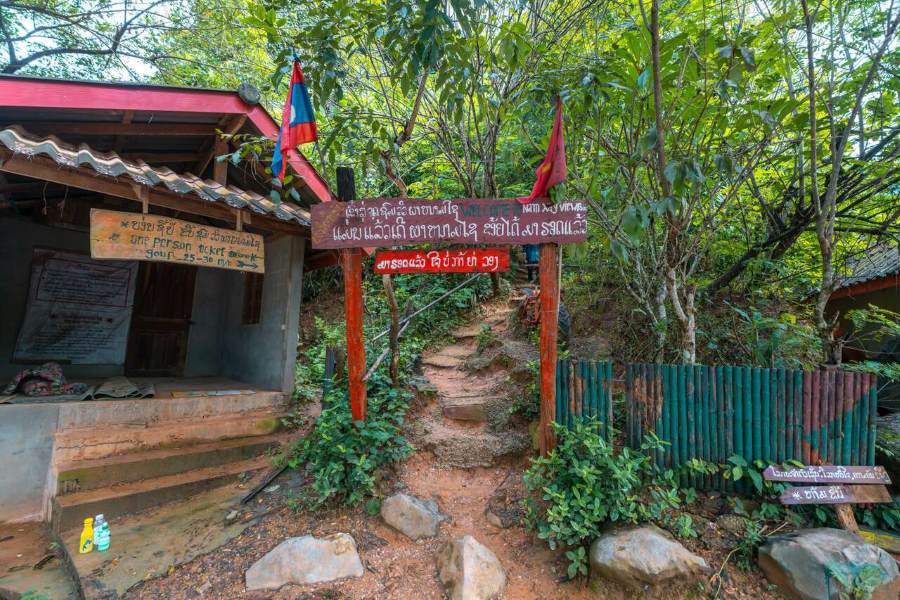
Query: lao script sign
(491, 260)
(123, 235)
(828, 474)
(400, 221)
(836, 494)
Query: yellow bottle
(87, 537)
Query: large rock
(469, 570)
(799, 564)
(411, 516)
(642, 556)
(306, 560)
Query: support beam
(47, 170)
(159, 129)
(351, 260)
(549, 298)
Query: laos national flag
(298, 123)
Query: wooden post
(351, 261)
(549, 282)
(395, 329)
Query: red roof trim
(865, 287)
(77, 95)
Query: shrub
(345, 459)
(583, 484)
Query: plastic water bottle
(101, 534)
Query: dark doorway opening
(161, 320)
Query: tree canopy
(723, 146)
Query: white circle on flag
(293, 115)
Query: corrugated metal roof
(112, 165)
(877, 262)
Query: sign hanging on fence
(399, 221)
(470, 260)
(828, 474)
(836, 494)
(123, 235)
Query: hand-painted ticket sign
(122, 235)
(829, 474)
(399, 221)
(491, 260)
(836, 494)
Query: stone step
(441, 361)
(465, 449)
(80, 476)
(70, 510)
(474, 408)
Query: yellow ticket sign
(132, 236)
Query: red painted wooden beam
(867, 287)
(549, 281)
(356, 350)
(23, 92)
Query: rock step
(441, 361)
(94, 474)
(473, 408)
(70, 510)
(464, 449)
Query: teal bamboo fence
(584, 390)
(711, 413)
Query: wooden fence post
(549, 286)
(351, 261)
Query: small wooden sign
(836, 494)
(124, 235)
(828, 474)
(399, 221)
(472, 260)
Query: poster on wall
(79, 309)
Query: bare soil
(402, 569)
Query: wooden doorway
(161, 320)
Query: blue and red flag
(298, 122)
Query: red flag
(553, 170)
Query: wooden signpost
(848, 485)
(351, 226)
(474, 260)
(135, 236)
(400, 221)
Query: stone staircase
(468, 421)
(135, 481)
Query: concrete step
(442, 361)
(467, 408)
(84, 475)
(70, 510)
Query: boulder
(644, 555)
(469, 570)
(306, 559)
(411, 516)
(810, 563)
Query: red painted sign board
(470, 260)
(406, 221)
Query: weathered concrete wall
(211, 295)
(264, 353)
(17, 239)
(26, 452)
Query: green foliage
(749, 542)
(485, 338)
(345, 458)
(584, 484)
(856, 581)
